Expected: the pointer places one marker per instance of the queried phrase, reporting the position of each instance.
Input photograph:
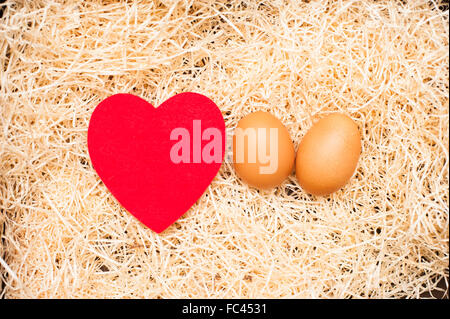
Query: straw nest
(384, 63)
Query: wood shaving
(384, 63)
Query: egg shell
(285, 152)
(328, 154)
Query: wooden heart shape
(157, 162)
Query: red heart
(129, 145)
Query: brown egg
(263, 152)
(328, 154)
